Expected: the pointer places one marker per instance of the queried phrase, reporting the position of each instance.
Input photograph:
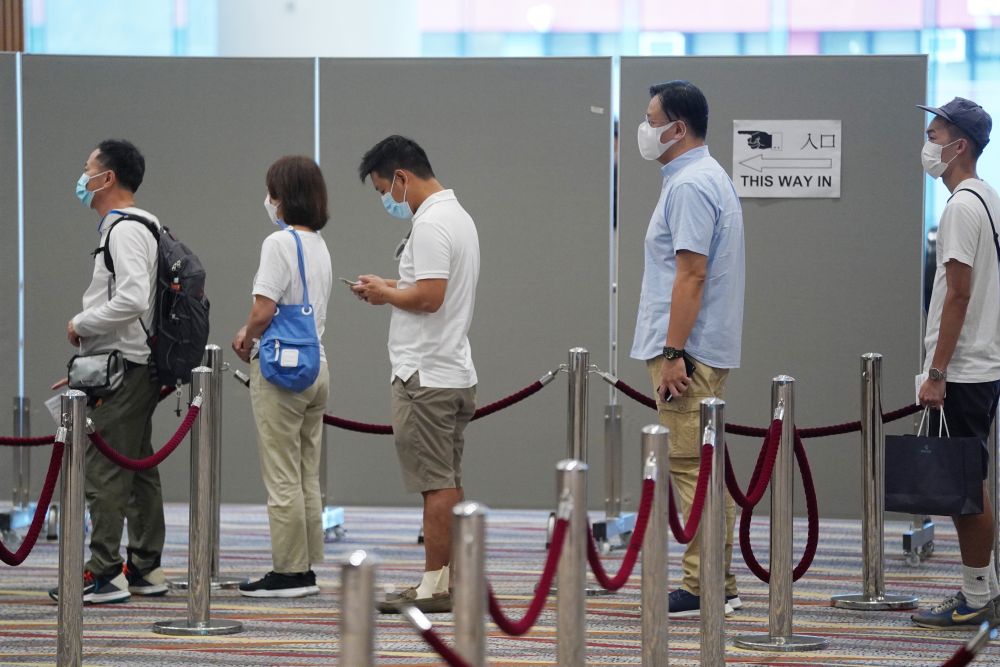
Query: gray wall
(8, 268)
(526, 149)
(209, 128)
(827, 279)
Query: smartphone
(688, 368)
(349, 283)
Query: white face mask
(930, 158)
(272, 210)
(650, 146)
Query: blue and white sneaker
(688, 605)
(954, 613)
(100, 590)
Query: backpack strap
(996, 241)
(302, 267)
(109, 263)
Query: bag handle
(943, 423)
(306, 308)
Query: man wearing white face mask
(690, 320)
(962, 340)
(115, 305)
(433, 377)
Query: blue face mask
(86, 196)
(397, 209)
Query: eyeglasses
(402, 245)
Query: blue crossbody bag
(289, 348)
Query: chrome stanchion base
(182, 627)
(862, 602)
(613, 528)
(218, 583)
(333, 524)
(782, 644)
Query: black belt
(129, 365)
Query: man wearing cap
(962, 340)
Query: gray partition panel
(8, 260)
(525, 146)
(209, 129)
(827, 279)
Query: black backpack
(179, 330)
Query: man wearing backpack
(962, 340)
(113, 306)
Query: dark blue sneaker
(100, 590)
(954, 613)
(687, 605)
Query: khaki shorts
(428, 423)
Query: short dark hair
(682, 100)
(392, 153)
(955, 133)
(297, 182)
(123, 158)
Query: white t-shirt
(965, 235)
(278, 274)
(443, 244)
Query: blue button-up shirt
(699, 211)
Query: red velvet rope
(684, 534)
(634, 543)
(761, 477)
(485, 411)
(445, 651)
(27, 442)
(962, 657)
(518, 628)
(812, 512)
(155, 459)
(757, 432)
(41, 510)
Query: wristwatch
(936, 374)
(672, 353)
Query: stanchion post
(357, 627)
(571, 482)
(213, 359)
(22, 455)
(468, 564)
(69, 652)
(579, 372)
(713, 538)
(779, 636)
(199, 621)
(655, 606)
(873, 596)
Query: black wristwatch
(672, 353)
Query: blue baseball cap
(967, 116)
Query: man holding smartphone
(690, 320)
(433, 377)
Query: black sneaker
(100, 590)
(688, 605)
(150, 583)
(277, 585)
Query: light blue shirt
(699, 211)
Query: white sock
(444, 580)
(428, 584)
(994, 584)
(976, 585)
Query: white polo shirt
(443, 244)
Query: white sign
(787, 158)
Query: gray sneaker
(439, 603)
(954, 613)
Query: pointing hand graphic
(758, 139)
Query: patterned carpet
(305, 632)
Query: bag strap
(109, 263)
(302, 267)
(996, 242)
